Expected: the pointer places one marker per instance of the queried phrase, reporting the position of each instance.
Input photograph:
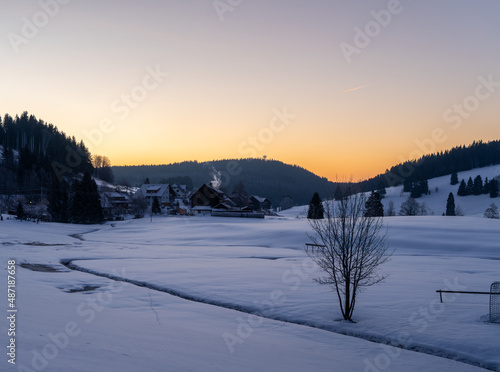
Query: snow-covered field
(78, 321)
(228, 294)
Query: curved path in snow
(417, 347)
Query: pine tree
(382, 191)
(58, 201)
(462, 189)
(85, 205)
(450, 205)
(416, 191)
(316, 211)
(469, 189)
(424, 187)
(486, 187)
(374, 206)
(454, 179)
(146, 181)
(407, 185)
(155, 206)
(478, 186)
(494, 188)
(76, 203)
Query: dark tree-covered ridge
(462, 158)
(36, 158)
(266, 178)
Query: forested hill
(35, 154)
(462, 158)
(269, 178)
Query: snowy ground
(76, 321)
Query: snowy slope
(471, 205)
(436, 202)
(245, 264)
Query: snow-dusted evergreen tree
(454, 179)
(478, 186)
(450, 205)
(486, 187)
(494, 188)
(462, 189)
(316, 210)
(374, 206)
(469, 189)
(492, 212)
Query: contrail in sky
(350, 90)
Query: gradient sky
(415, 85)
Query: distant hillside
(435, 202)
(459, 159)
(269, 178)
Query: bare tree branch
(349, 248)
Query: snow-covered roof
(202, 208)
(223, 206)
(259, 198)
(179, 190)
(154, 189)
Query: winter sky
(339, 87)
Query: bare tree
(492, 212)
(349, 248)
(102, 168)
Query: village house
(206, 198)
(162, 191)
(114, 204)
(169, 196)
(258, 203)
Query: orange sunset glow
(341, 89)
